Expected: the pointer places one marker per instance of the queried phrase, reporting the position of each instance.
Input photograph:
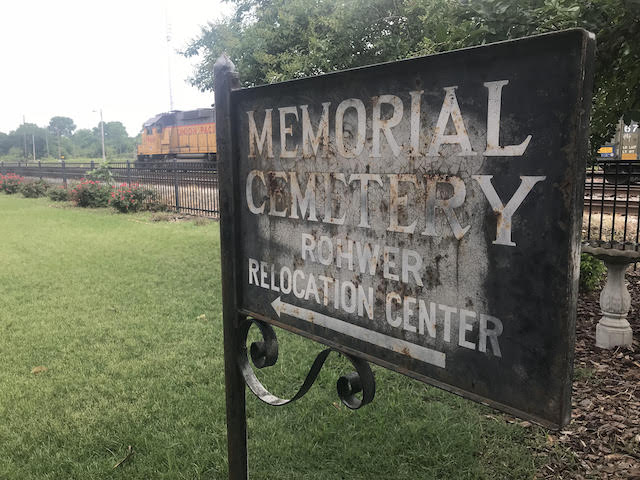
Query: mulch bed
(603, 439)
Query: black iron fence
(189, 187)
(612, 203)
(611, 194)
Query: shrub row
(85, 193)
(130, 198)
(10, 183)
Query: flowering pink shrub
(89, 193)
(10, 183)
(130, 198)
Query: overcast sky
(70, 57)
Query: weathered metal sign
(424, 215)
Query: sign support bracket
(265, 354)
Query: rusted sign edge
(584, 87)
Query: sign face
(607, 151)
(629, 143)
(425, 215)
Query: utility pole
(168, 31)
(104, 157)
(24, 134)
(46, 139)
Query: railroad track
(608, 189)
(622, 206)
(625, 198)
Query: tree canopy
(276, 40)
(116, 138)
(62, 126)
(61, 138)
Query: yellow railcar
(180, 135)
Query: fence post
(128, 173)
(92, 165)
(40, 169)
(64, 174)
(175, 184)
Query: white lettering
(385, 126)
(445, 204)
(407, 313)
(253, 271)
(397, 321)
(361, 127)
(491, 333)
(464, 327)
(451, 109)
(249, 191)
(503, 225)
(265, 135)
(284, 131)
(493, 124)
(276, 193)
(416, 97)
(364, 179)
(448, 311)
(396, 201)
(306, 202)
(311, 141)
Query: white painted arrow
(403, 347)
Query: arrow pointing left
(423, 354)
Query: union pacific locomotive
(183, 135)
(619, 158)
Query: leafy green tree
(86, 143)
(32, 135)
(15, 153)
(275, 40)
(71, 142)
(61, 127)
(5, 143)
(116, 138)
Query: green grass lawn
(112, 305)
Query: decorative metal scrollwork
(265, 354)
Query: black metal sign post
(423, 215)
(225, 81)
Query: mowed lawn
(125, 314)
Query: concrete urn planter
(613, 329)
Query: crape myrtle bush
(59, 193)
(10, 183)
(34, 189)
(130, 198)
(89, 193)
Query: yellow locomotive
(180, 135)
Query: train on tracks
(620, 158)
(179, 135)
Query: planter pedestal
(613, 329)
